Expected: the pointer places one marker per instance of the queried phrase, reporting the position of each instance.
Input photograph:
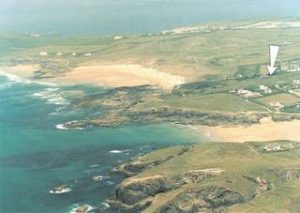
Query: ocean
(36, 156)
(112, 17)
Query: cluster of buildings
(246, 93)
(276, 147)
(265, 89)
(276, 105)
(290, 66)
(210, 28)
(74, 54)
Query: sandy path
(267, 130)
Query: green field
(222, 53)
(284, 98)
(205, 103)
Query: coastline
(21, 70)
(120, 75)
(266, 130)
(111, 75)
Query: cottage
(118, 37)
(290, 66)
(248, 93)
(88, 54)
(265, 89)
(276, 105)
(43, 53)
(272, 148)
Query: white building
(290, 66)
(272, 147)
(88, 54)
(118, 37)
(265, 89)
(43, 53)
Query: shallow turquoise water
(35, 156)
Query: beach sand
(25, 71)
(266, 130)
(118, 75)
(110, 75)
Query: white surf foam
(76, 208)
(118, 151)
(63, 126)
(51, 95)
(6, 85)
(106, 205)
(61, 191)
(18, 79)
(98, 178)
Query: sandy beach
(25, 71)
(110, 75)
(266, 130)
(118, 75)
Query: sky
(132, 16)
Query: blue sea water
(35, 156)
(108, 17)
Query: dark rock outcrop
(137, 166)
(137, 193)
(208, 199)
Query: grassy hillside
(221, 52)
(226, 84)
(218, 66)
(214, 177)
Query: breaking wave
(18, 79)
(51, 95)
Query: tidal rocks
(137, 166)
(138, 193)
(137, 189)
(210, 178)
(196, 176)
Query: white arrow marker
(274, 49)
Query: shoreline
(24, 71)
(26, 77)
(266, 130)
(120, 75)
(104, 75)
